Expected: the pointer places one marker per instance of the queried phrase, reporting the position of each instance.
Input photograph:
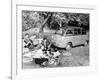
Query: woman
(28, 42)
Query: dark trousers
(40, 60)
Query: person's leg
(38, 61)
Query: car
(70, 37)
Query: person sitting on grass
(40, 57)
(28, 42)
(31, 42)
(54, 57)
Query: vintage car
(70, 37)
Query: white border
(18, 73)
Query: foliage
(31, 19)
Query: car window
(83, 32)
(75, 31)
(79, 31)
(69, 32)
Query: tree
(55, 20)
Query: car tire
(69, 46)
(86, 43)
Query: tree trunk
(43, 24)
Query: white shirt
(56, 53)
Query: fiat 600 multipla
(70, 37)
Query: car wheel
(86, 43)
(69, 46)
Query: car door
(76, 37)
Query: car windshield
(69, 32)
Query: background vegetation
(56, 20)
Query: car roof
(72, 27)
